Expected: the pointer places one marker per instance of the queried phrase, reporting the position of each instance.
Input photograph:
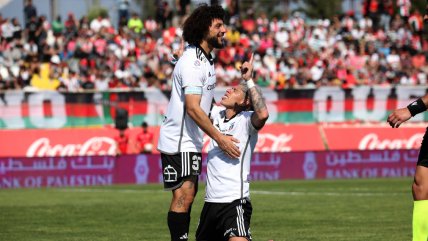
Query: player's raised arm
(399, 116)
(261, 114)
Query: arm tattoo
(257, 99)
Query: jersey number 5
(195, 162)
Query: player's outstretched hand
(247, 68)
(227, 144)
(396, 118)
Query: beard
(213, 41)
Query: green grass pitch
(330, 210)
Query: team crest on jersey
(231, 126)
(169, 174)
(197, 63)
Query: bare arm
(261, 114)
(194, 110)
(399, 116)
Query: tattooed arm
(261, 114)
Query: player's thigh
(188, 187)
(208, 222)
(420, 183)
(423, 151)
(236, 220)
(179, 168)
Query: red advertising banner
(286, 138)
(100, 141)
(373, 138)
(39, 172)
(62, 142)
(272, 138)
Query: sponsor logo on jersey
(211, 87)
(197, 63)
(230, 232)
(226, 129)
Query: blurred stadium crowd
(383, 47)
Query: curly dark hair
(197, 25)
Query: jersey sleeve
(250, 126)
(193, 76)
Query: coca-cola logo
(273, 143)
(373, 142)
(42, 147)
(266, 143)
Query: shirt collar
(208, 56)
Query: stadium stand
(380, 48)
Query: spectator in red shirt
(145, 140)
(122, 141)
(249, 24)
(350, 80)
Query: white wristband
(250, 83)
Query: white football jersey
(227, 178)
(178, 132)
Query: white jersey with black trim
(195, 71)
(227, 178)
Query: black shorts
(423, 152)
(179, 166)
(220, 221)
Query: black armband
(417, 107)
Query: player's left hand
(247, 68)
(396, 118)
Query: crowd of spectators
(383, 47)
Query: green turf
(339, 210)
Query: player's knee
(190, 187)
(420, 191)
